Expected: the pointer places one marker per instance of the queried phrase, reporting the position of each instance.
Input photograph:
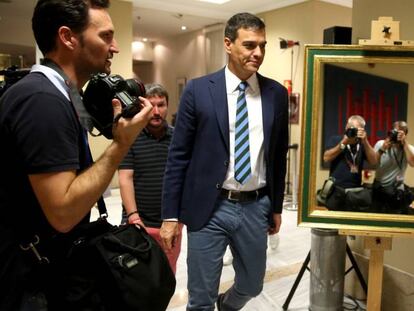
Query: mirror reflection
(365, 149)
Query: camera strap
(84, 117)
(400, 160)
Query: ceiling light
(183, 28)
(145, 39)
(215, 1)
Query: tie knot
(243, 85)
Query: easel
(304, 267)
(377, 243)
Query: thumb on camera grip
(117, 107)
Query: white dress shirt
(254, 107)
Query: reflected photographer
(348, 155)
(393, 154)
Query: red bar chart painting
(380, 101)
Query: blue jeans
(243, 227)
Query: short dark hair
(50, 15)
(242, 20)
(155, 89)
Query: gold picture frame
(385, 61)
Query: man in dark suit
(226, 167)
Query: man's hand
(387, 144)
(277, 221)
(401, 137)
(168, 232)
(136, 220)
(126, 130)
(361, 134)
(345, 140)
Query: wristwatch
(342, 146)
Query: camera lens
(135, 88)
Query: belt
(243, 196)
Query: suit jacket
(199, 152)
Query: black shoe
(219, 301)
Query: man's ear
(227, 45)
(67, 37)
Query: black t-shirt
(340, 167)
(148, 157)
(39, 133)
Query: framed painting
(376, 82)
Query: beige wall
(305, 23)
(122, 62)
(179, 57)
(19, 28)
(364, 11)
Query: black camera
(11, 76)
(98, 95)
(351, 132)
(393, 135)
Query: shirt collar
(232, 82)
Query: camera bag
(325, 191)
(107, 267)
(358, 199)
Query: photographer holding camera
(49, 184)
(348, 156)
(393, 154)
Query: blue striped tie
(242, 170)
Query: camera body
(351, 132)
(393, 135)
(98, 95)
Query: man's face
(246, 53)
(96, 44)
(159, 111)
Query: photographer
(393, 154)
(48, 183)
(347, 156)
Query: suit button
(218, 186)
(226, 163)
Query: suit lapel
(267, 110)
(219, 100)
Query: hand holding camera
(396, 136)
(353, 134)
(125, 130)
(100, 92)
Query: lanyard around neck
(400, 160)
(353, 155)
